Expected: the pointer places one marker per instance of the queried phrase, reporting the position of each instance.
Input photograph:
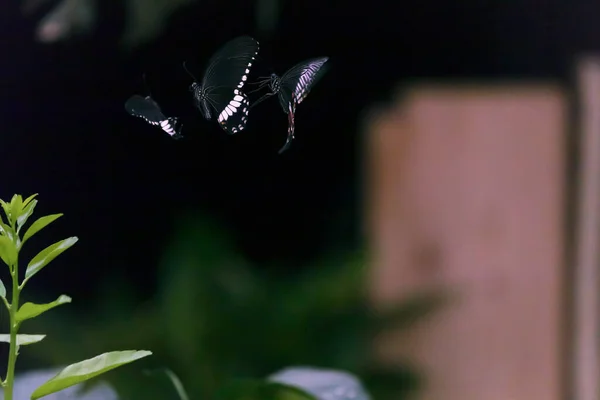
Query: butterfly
(149, 110)
(291, 88)
(221, 87)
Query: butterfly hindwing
(234, 117)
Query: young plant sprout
(17, 212)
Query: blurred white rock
(145, 19)
(324, 384)
(68, 18)
(27, 382)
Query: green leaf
(27, 200)
(48, 254)
(8, 251)
(16, 206)
(5, 230)
(87, 369)
(31, 310)
(2, 289)
(174, 380)
(40, 224)
(249, 389)
(6, 207)
(22, 340)
(24, 216)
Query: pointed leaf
(6, 230)
(2, 289)
(6, 207)
(87, 369)
(32, 310)
(40, 224)
(24, 216)
(8, 252)
(27, 200)
(48, 254)
(16, 205)
(22, 340)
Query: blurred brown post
(586, 323)
(466, 189)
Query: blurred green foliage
(216, 317)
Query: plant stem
(14, 327)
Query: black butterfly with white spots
(149, 110)
(293, 87)
(221, 88)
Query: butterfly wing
(146, 108)
(300, 79)
(225, 75)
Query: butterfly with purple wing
(291, 88)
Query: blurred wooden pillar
(586, 322)
(467, 191)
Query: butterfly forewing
(225, 75)
(300, 79)
(227, 67)
(145, 108)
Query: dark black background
(65, 134)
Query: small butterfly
(148, 109)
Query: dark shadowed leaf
(247, 389)
(48, 254)
(88, 369)
(8, 252)
(22, 340)
(40, 224)
(31, 310)
(181, 392)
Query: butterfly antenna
(261, 81)
(188, 71)
(260, 86)
(260, 100)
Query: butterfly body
(147, 109)
(221, 87)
